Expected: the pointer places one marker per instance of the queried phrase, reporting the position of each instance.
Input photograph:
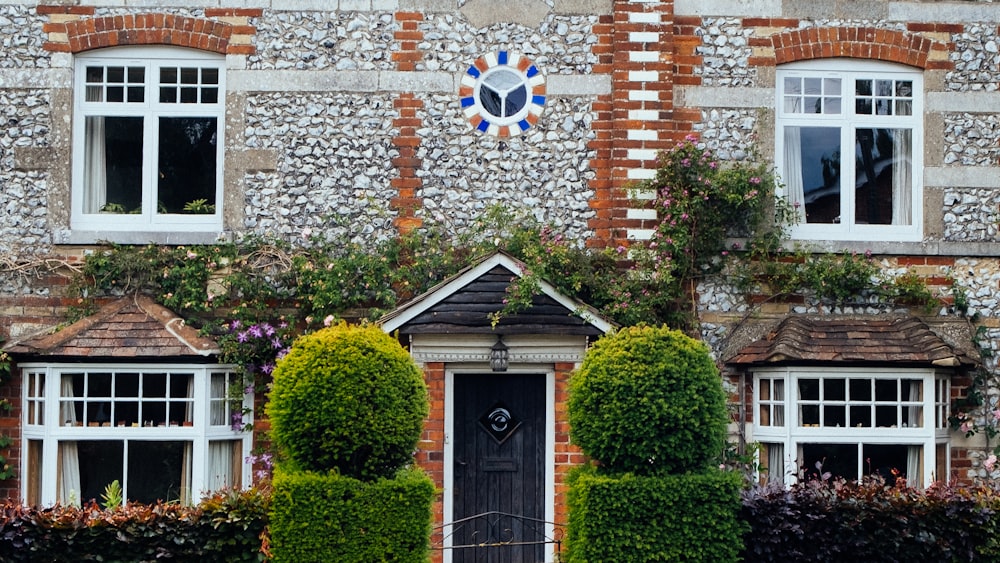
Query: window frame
(43, 429)
(791, 435)
(150, 110)
(848, 70)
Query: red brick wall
(10, 427)
(430, 448)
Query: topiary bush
(649, 401)
(347, 398)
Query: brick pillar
(567, 455)
(644, 121)
(606, 199)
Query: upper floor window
(831, 110)
(147, 140)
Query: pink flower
(996, 414)
(328, 320)
(966, 427)
(990, 462)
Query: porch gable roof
(463, 303)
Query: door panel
(499, 445)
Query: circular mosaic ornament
(502, 94)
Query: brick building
(187, 124)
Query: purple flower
(256, 331)
(276, 343)
(268, 329)
(241, 337)
(234, 325)
(267, 368)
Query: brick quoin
(613, 121)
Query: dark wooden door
(499, 445)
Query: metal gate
(496, 531)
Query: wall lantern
(499, 355)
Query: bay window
(165, 433)
(148, 125)
(849, 149)
(851, 423)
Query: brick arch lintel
(151, 29)
(856, 42)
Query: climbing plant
(6, 471)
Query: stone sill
(170, 238)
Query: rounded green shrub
(350, 399)
(649, 401)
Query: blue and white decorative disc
(502, 94)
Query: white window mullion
(150, 166)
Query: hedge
(871, 522)
(642, 519)
(329, 517)
(226, 527)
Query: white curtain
(914, 457)
(902, 176)
(217, 400)
(775, 463)
(186, 475)
(188, 409)
(95, 177)
(794, 191)
(779, 399)
(221, 473)
(914, 466)
(914, 412)
(69, 457)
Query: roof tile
(805, 339)
(131, 327)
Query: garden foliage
(648, 401)
(349, 399)
(330, 517)
(871, 521)
(226, 527)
